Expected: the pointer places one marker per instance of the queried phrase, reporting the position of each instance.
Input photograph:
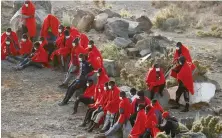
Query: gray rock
(171, 24)
(78, 16)
(144, 52)
(143, 44)
(140, 36)
(122, 42)
(86, 23)
(132, 52)
(191, 135)
(145, 24)
(100, 21)
(116, 27)
(188, 122)
(111, 68)
(111, 14)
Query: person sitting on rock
(13, 36)
(111, 106)
(28, 17)
(87, 97)
(141, 99)
(25, 46)
(38, 59)
(74, 62)
(158, 109)
(92, 48)
(155, 80)
(170, 125)
(74, 33)
(181, 50)
(133, 94)
(80, 81)
(140, 123)
(185, 80)
(124, 111)
(8, 49)
(64, 47)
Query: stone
(187, 121)
(110, 13)
(142, 60)
(116, 27)
(122, 42)
(171, 24)
(191, 135)
(144, 52)
(40, 15)
(86, 23)
(140, 36)
(111, 68)
(203, 93)
(78, 16)
(100, 21)
(132, 52)
(6, 14)
(143, 44)
(144, 25)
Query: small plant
(162, 135)
(66, 19)
(125, 13)
(110, 51)
(214, 32)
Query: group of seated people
(107, 105)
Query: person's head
(81, 57)
(36, 45)
(141, 106)
(8, 41)
(61, 28)
(67, 34)
(181, 60)
(75, 41)
(165, 115)
(91, 44)
(157, 67)
(99, 72)
(111, 85)
(154, 101)
(179, 45)
(8, 31)
(24, 37)
(89, 82)
(68, 28)
(26, 3)
(122, 95)
(140, 94)
(42, 39)
(133, 91)
(148, 108)
(106, 86)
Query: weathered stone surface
(140, 36)
(145, 24)
(86, 23)
(122, 42)
(144, 52)
(111, 68)
(132, 52)
(111, 14)
(100, 21)
(191, 135)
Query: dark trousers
(28, 62)
(133, 118)
(84, 100)
(182, 90)
(77, 84)
(161, 87)
(88, 115)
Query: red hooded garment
(5, 52)
(157, 106)
(75, 54)
(139, 126)
(12, 36)
(44, 43)
(113, 103)
(25, 47)
(96, 53)
(30, 22)
(84, 41)
(151, 79)
(75, 33)
(50, 22)
(126, 106)
(151, 121)
(63, 49)
(186, 54)
(104, 99)
(94, 60)
(40, 56)
(185, 75)
(90, 91)
(146, 102)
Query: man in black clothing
(80, 82)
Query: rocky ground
(30, 97)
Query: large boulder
(191, 135)
(203, 93)
(6, 14)
(122, 42)
(86, 23)
(110, 13)
(111, 68)
(100, 21)
(116, 27)
(40, 14)
(144, 25)
(140, 36)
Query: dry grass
(214, 32)
(125, 13)
(66, 19)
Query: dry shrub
(125, 13)
(214, 32)
(66, 19)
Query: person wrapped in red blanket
(112, 106)
(140, 123)
(64, 46)
(124, 111)
(185, 79)
(74, 62)
(8, 49)
(141, 99)
(84, 41)
(13, 36)
(28, 17)
(181, 50)
(155, 80)
(38, 59)
(92, 48)
(25, 46)
(74, 33)
(158, 109)
(87, 97)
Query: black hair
(42, 38)
(182, 59)
(156, 65)
(106, 84)
(9, 29)
(140, 93)
(90, 80)
(179, 44)
(37, 44)
(76, 40)
(68, 27)
(66, 33)
(148, 107)
(25, 36)
(112, 83)
(91, 42)
(122, 94)
(61, 26)
(100, 70)
(133, 91)
(81, 55)
(141, 106)
(154, 101)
